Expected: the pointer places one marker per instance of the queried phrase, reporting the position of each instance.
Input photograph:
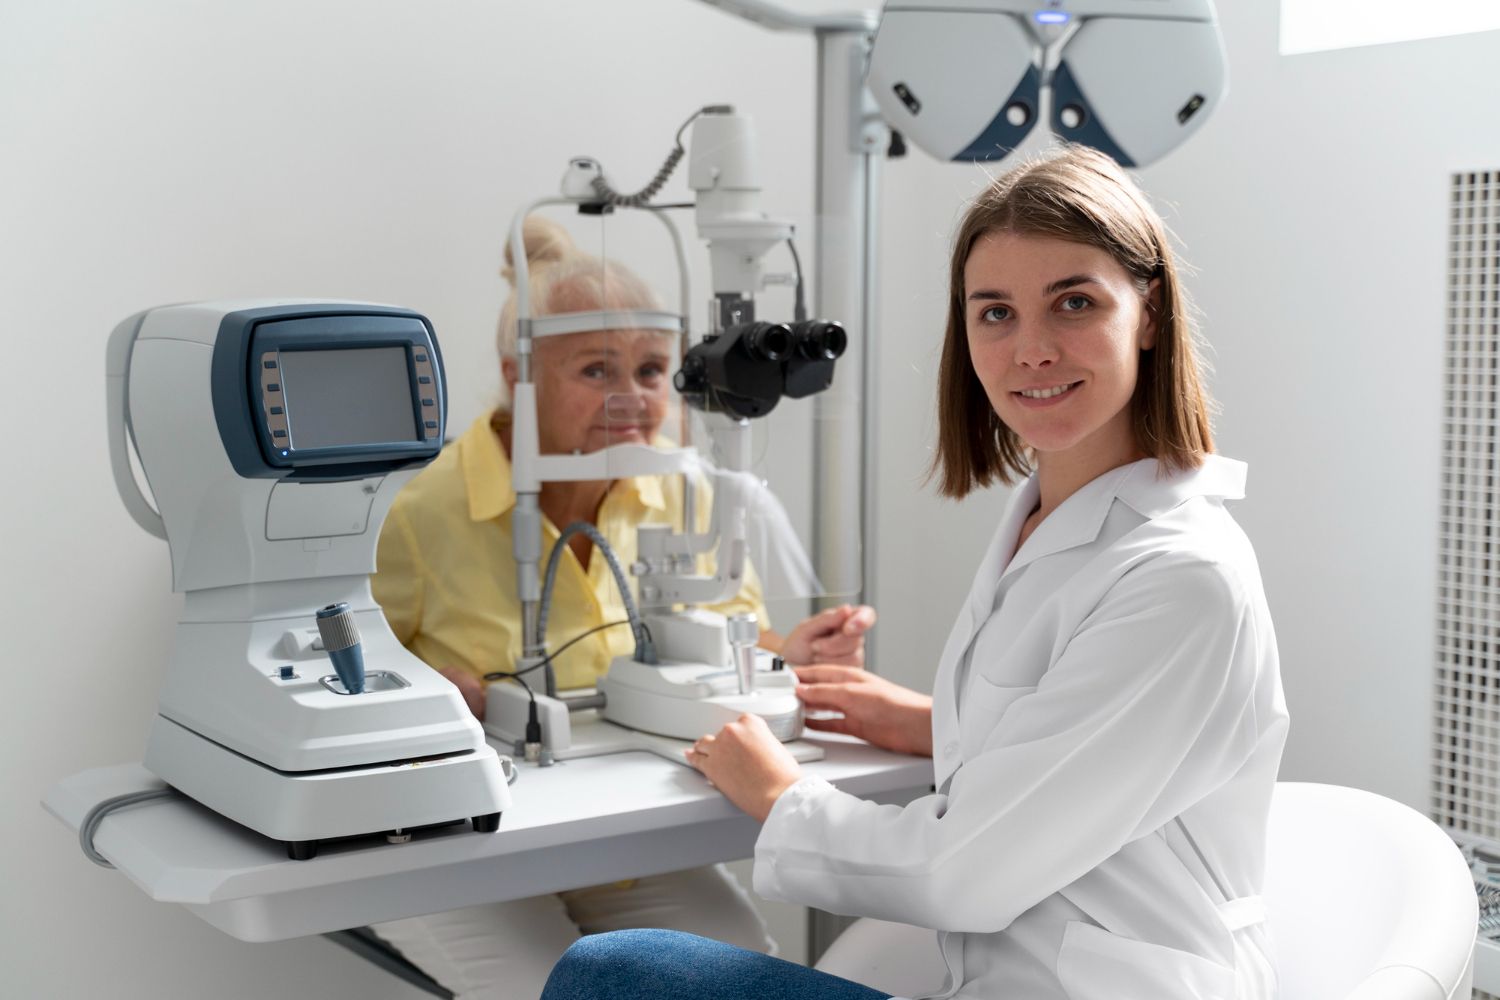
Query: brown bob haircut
(1083, 196)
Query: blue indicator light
(1053, 17)
(285, 454)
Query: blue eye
(995, 314)
(1076, 303)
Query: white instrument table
(578, 823)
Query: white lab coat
(1107, 725)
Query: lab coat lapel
(1002, 549)
(971, 615)
(1078, 519)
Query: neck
(1061, 474)
(563, 503)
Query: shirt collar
(1144, 486)
(1152, 494)
(487, 476)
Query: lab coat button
(950, 750)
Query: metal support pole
(851, 140)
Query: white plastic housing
(288, 756)
(1138, 64)
(224, 683)
(327, 804)
(693, 635)
(961, 66)
(686, 701)
(1139, 74)
(723, 175)
(225, 530)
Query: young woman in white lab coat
(1106, 720)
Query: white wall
(164, 151)
(1317, 25)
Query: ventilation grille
(1466, 724)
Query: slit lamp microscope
(693, 670)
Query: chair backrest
(1367, 898)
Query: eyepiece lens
(769, 341)
(820, 340)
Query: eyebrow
(990, 295)
(612, 352)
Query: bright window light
(1317, 25)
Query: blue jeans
(671, 965)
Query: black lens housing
(746, 370)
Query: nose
(625, 405)
(1035, 346)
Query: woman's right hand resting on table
(753, 769)
(874, 709)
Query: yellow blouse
(446, 572)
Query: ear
(510, 372)
(1151, 315)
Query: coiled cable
(609, 196)
(645, 650)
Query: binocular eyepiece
(767, 341)
(820, 340)
(746, 369)
(815, 340)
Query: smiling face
(599, 388)
(1055, 330)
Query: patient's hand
(836, 635)
(471, 687)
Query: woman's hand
(745, 762)
(836, 635)
(471, 687)
(875, 710)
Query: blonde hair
(1080, 195)
(565, 279)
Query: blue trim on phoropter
(1000, 137)
(1065, 93)
(236, 392)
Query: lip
(621, 431)
(1042, 404)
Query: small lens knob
(744, 630)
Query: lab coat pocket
(981, 709)
(1097, 965)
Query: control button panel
(429, 429)
(272, 401)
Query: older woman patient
(447, 581)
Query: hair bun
(547, 242)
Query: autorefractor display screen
(347, 397)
